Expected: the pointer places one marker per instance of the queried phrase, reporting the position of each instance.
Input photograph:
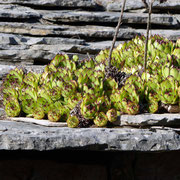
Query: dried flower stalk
(116, 33)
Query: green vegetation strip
(83, 93)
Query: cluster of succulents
(87, 92)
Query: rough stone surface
(4, 69)
(34, 31)
(108, 32)
(39, 56)
(88, 31)
(149, 120)
(14, 39)
(108, 17)
(55, 3)
(22, 136)
(116, 5)
(28, 49)
(168, 5)
(16, 11)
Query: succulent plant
(38, 113)
(62, 60)
(55, 111)
(12, 107)
(111, 115)
(96, 92)
(137, 82)
(151, 94)
(72, 122)
(115, 98)
(153, 106)
(171, 71)
(28, 98)
(109, 86)
(54, 115)
(103, 104)
(44, 100)
(129, 100)
(32, 79)
(88, 107)
(14, 79)
(69, 88)
(65, 114)
(101, 119)
(8, 93)
(72, 101)
(168, 91)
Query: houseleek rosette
(129, 100)
(54, 115)
(151, 94)
(115, 98)
(12, 107)
(28, 99)
(103, 104)
(72, 122)
(111, 115)
(168, 91)
(101, 119)
(69, 88)
(88, 107)
(14, 79)
(32, 79)
(109, 86)
(38, 113)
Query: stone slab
(41, 122)
(87, 31)
(25, 136)
(16, 39)
(53, 3)
(4, 69)
(116, 5)
(18, 48)
(18, 12)
(109, 5)
(108, 17)
(30, 57)
(142, 120)
(108, 32)
(35, 29)
(168, 5)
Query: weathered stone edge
(21, 136)
(166, 119)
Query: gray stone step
(15, 39)
(87, 31)
(116, 5)
(16, 54)
(31, 29)
(18, 12)
(54, 3)
(142, 120)
(109, 17)
(168, 5)
(16, 49)
(25, 136)
(5, 69)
